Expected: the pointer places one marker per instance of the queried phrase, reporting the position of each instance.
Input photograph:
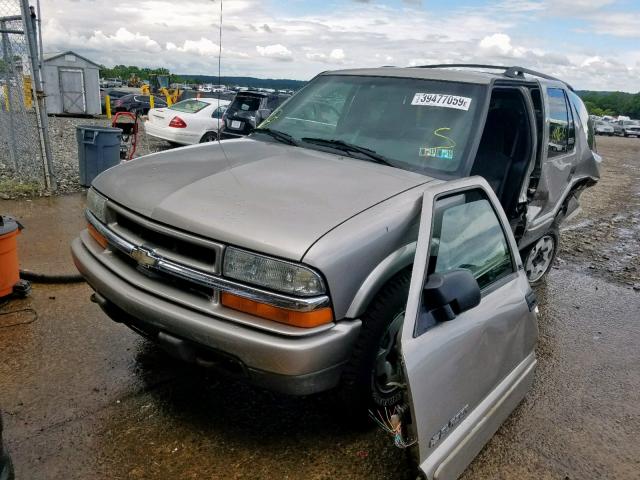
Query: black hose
(43, 278)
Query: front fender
(391, 265)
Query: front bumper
(294, 365)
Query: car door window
(218, 112)
(466, 233)
(561, 125)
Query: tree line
(611, 103)
(125, 72)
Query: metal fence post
(8, 68)
(29, 21)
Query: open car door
(470, 327)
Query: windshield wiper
(349, 147)
(278, 135)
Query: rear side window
(561, 127)
(189, 106)
(219, 112)
(466, 233)
(583, 117)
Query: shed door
(72, 91)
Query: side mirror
(446, 295)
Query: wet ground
(84, 397)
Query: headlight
(97, 204)
(271, 273)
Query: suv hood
(263, 196)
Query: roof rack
(510, 72)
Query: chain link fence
(23, 164)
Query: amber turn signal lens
(277, 314)
(97, 236)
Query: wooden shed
(71, 84)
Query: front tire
(538, 258)
(372, 376)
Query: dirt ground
(84, 397)
(605, 237)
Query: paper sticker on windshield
(441, 100)
(443, 152)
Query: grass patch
(15, 188)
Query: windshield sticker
(445, 151)
(441, 100)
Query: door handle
(532, 300)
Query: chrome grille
(187, 249)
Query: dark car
(114, 95)
(248, 110)
(140, 104)
(6, 467)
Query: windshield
(419, 125)
(189, 106)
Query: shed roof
(50, 56)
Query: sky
(592, 44)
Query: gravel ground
(605, 237)
(62, 132)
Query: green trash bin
(98, 150)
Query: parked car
(187, 122)
(247, 110)
(114, 95)
(377, 233)
(135, 103)
(6, 466)
(629, 128)
(603, 128)
(110, 82)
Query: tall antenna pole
(220, 74)
(220, 50)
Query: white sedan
(195, 120)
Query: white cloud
(258, 42)
(500, 43)
(204, 47)
(617, 24)
(277, 52)
(123, 38)
(336, 56)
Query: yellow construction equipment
(134, 81)
(159, 85)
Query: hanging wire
(391, 422)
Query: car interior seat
(491, 160)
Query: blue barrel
(98, 149)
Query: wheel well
(394, 264)
(578, 187)
(376, 292)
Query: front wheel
(538, 257)
(373, 376)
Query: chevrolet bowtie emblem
(144, 257)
